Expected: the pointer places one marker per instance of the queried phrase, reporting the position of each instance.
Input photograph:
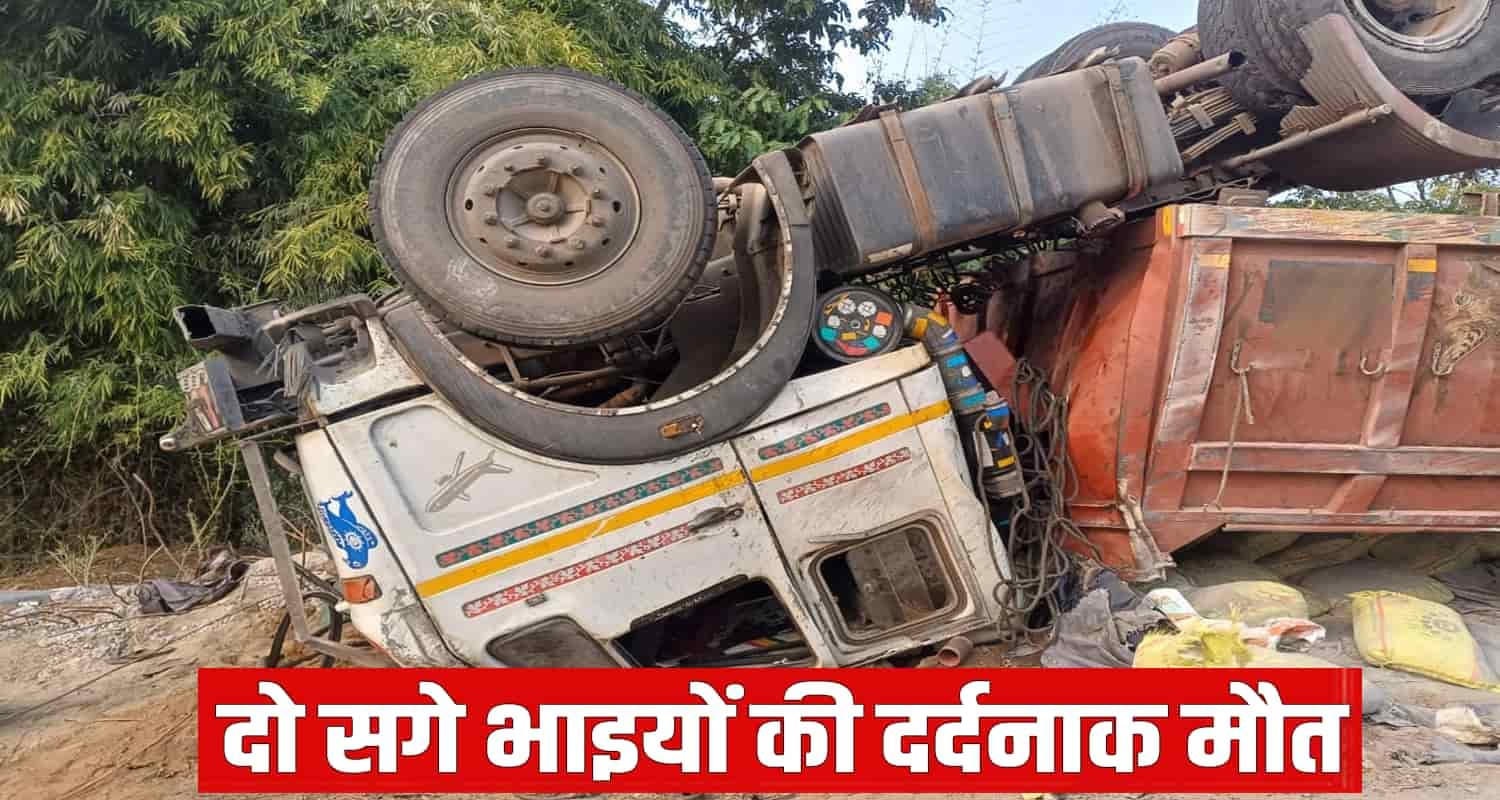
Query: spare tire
(1123, 39)
(1424, 50)
(543, 207)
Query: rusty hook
(1364, 366)
(1437, 361)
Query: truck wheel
(665, 427)
(1125, 39)
(543, 207)
(1426, 48)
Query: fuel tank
(922, 180)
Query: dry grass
(77, 558)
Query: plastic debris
(1463, 724)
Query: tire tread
(657, 311)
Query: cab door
(518, 557)
(853, 494)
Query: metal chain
(1039, 526)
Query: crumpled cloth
(1091, 635)
(219, 578)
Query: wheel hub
(1424, 24)
(544, 207)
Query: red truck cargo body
(1269, 369)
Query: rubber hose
(965, 393)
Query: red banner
(784, 730)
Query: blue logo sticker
(349, 534)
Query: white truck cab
(839, 527)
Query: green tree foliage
(1441, 195)
(154, 152)
(781, 57)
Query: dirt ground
(95, 706)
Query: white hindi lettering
(384, 734)
(1235, 728)
(255, 720)
(802, 731)
(1027, 735)
(510, 745)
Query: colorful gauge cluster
(856, 323)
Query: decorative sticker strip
(825, 432)
(576, 572)
(580, 512)
(853, 473)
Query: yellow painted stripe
(1421, 265)
(853, 441)
(1214, 260)
(568, 537)
(1168, 220)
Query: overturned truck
(625, 413)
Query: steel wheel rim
(543, 207)
(1408, 22)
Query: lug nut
(577, 244)
(510, 167)
(543, 251)
(543, 161)
(576, 170)
(597, 221)
(511, 241)
(596, 194)
(491, 219)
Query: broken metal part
(1096, 219)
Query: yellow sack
(1427, 553)
(1250, 602)
(1401, 632)
(1193, 645)
(1251, 546)
(1212, 570)
(1317, 550)
(1369, 575)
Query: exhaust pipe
(1198, 73)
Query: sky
(994, 36)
